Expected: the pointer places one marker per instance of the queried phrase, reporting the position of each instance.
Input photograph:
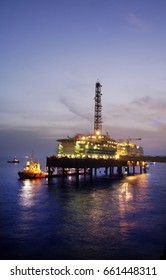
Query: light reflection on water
(121, 219)
(28, 192)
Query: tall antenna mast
(98, 107)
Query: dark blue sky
(53, 51)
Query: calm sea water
(111, 219)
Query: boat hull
(13, 161)
(31, 175)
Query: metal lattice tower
(98, 107)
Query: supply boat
(32, 170)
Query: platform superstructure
(96, 145)
(90, 145)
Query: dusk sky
(53, 51)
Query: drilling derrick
(98, 107)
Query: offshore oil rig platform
(95, 150)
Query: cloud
(151, 108)
(146, 114)
(137, 23)
(74, 108)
